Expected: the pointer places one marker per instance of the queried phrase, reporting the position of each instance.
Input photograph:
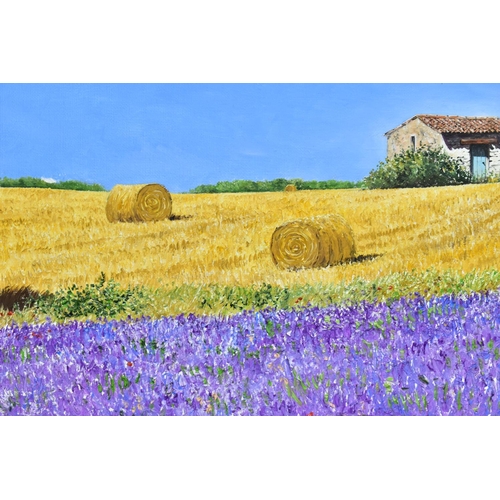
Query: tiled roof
(461, 124)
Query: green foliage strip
(33, 182)
(243, 186)
(107, 299)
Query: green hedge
(245, 186)
(33, 182)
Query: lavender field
(413, 356)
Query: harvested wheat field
(51, 238)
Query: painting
(215, 249)
(208, 248)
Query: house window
(413, 140)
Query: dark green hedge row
(242, 186)
(32, 182)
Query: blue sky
(183, 135)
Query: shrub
(239, 298)
(425, 167)
(101, 299)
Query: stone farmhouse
(476, 140)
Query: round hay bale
(313, 242)
(138, 203)
(290, 187)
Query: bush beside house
(425, 167)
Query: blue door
(479, 160)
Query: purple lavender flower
(410, 357)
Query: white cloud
(49, 180)
(250, 152)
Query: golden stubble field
(51, 239)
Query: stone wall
(462, 153)
(494, 165)
(399, 139)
